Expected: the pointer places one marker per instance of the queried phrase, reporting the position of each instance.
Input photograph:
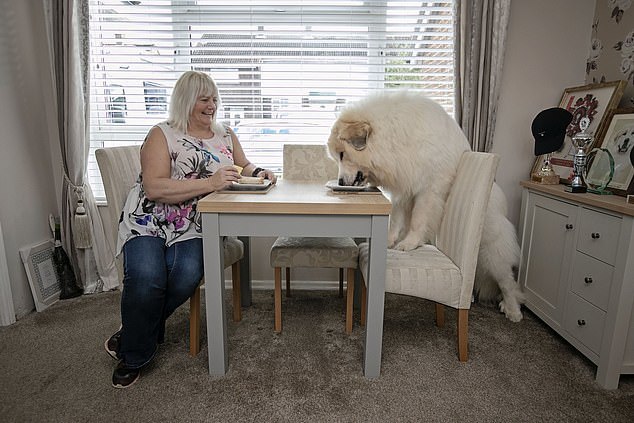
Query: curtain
(83, 234)
(480, 40)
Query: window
(284, 68)
(155, 98)
(116, 105)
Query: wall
(547, 47)
(28, 167)
(611, 54)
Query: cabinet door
(547, 248)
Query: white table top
(291, 197)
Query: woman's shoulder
(222, 129)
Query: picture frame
(40, 271)
(618, 138)
(593, 101)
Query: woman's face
(204, 111)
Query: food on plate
(251, 180)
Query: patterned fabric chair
(120, 167)
(311, 163)
(445, 273)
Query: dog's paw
(511, 311)
(406, 245)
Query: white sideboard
(577, 272)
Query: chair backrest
(308, 162)
(465, 211)
(119, 167)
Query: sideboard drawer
(598, 235)
(584, 321)
(591, 279)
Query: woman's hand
(267, 174)
(224, 177)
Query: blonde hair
(190, 86)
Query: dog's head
(348, 144)
(624, 140)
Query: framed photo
(44, 282)
(593, 101)
(618, 138)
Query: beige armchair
(445, 273)
(311, 163)
(120, 167)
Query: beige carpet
(54, 369)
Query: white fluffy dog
(408, 145)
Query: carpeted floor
(54, 369)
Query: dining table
(298, 209)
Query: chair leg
(278, 299)
(237, 294)
(364, 301)
(288, 281)
(349, 301)
(194, 323)
(440, 315)
(341, 282)
(463, 322)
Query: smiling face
(203, 112)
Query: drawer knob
(581, 322)
(569, 226)
(595, 235)
(587, 279)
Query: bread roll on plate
(251, 180)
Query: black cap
(549, 129)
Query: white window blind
(284, 68)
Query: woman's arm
(157, 182)
(240, 159)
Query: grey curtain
(480, 34)
(82, 233)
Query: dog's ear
(356, 134)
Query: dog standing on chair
(408, 145)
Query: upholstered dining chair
(445, 273)
(311, 163)
(120, 167)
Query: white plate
(250, 187)
(334, 185)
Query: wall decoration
(618, 138)
(44, 282)
(592, 101)
(611, 53)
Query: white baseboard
(7, 310)
(308, 285)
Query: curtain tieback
(82, 225)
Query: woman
(182, 159)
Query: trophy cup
(549, 129)
(580, 140)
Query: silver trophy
(581, 141)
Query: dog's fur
(408, 145)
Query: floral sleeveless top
(192, 158)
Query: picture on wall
(593, 101)
(618, 138)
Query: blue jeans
(157, 280)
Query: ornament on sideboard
(549, 130)
(581, 140)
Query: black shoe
(112, 344)
(123, 376)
